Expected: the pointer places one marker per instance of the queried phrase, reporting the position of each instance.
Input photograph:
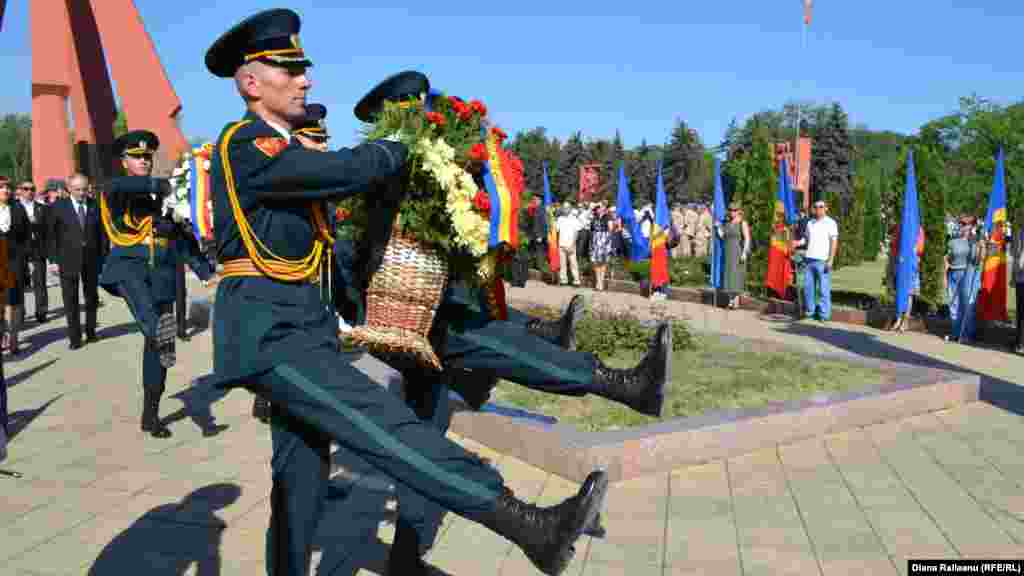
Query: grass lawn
(867, 279)
(716, 375)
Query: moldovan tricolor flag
(780, 268)
(659, 235)
(808, 5)
(549, 224)
(992, 296)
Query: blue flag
(547, 202)
(910, 224)
(786, 192)
(639, 248)
(717, 216)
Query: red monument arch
(73, 42)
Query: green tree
(682, 168)
(753, 185)
(851, 227)
(573, 156)
(16, 147)
(831, 161)
(873, 232)
(928, 170)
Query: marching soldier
(274, 336)
(142, 261)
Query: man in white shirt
(568, 228)
(37, 245)
(822, 241)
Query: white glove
(393, 137)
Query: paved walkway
(100, 498)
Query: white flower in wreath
(206, 164)
(182, 213)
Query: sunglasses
(29, 188)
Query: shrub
(688, 271)
(605, 332)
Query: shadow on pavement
(40, 340)
(18, 421)
(24, 375)
(198, 400)
(995, 391)
(173, 539)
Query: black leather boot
(261, 409)
(151, 417)
(404, 559)
(642, 388)
(562, 331)
(547, 535)
(473, 386)
(165, 333)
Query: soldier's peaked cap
(401, 86)
(271, 36)
(135, 143)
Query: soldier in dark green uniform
(274, 335)
(141, 264)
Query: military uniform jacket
(263, 322)
(132, 197)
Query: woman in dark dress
(601, 245)
(14, 229)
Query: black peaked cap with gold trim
(271, 36)
(401, 86)
(136, 143)
(314, 126)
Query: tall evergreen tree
(928, 171)
(873, 231)
(831, 160)
(851, 227)
(753, 179)
(683, 157)
(573, 156)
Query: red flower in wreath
(436, 118)
(478, 107)
(463, 111)
(482, 201)
(499, 134)
(478, 153)
(341, 214)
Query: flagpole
(796, 137)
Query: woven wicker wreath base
(396, 341)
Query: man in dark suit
(37, 247)
(79, 245)
(13, 227)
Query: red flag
(780, 268)
(808, 5)
(554, 263)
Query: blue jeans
(816, 276)
(953, 280)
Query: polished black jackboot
(404, 559)
(547, 535)
(261, 409)
(151, 417)
(474, 386)
(562, 331)
(642, 388)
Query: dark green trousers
(326, 399)
(507, 350)
(147, 312)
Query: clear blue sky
(598, 66)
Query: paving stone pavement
(100, 498)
